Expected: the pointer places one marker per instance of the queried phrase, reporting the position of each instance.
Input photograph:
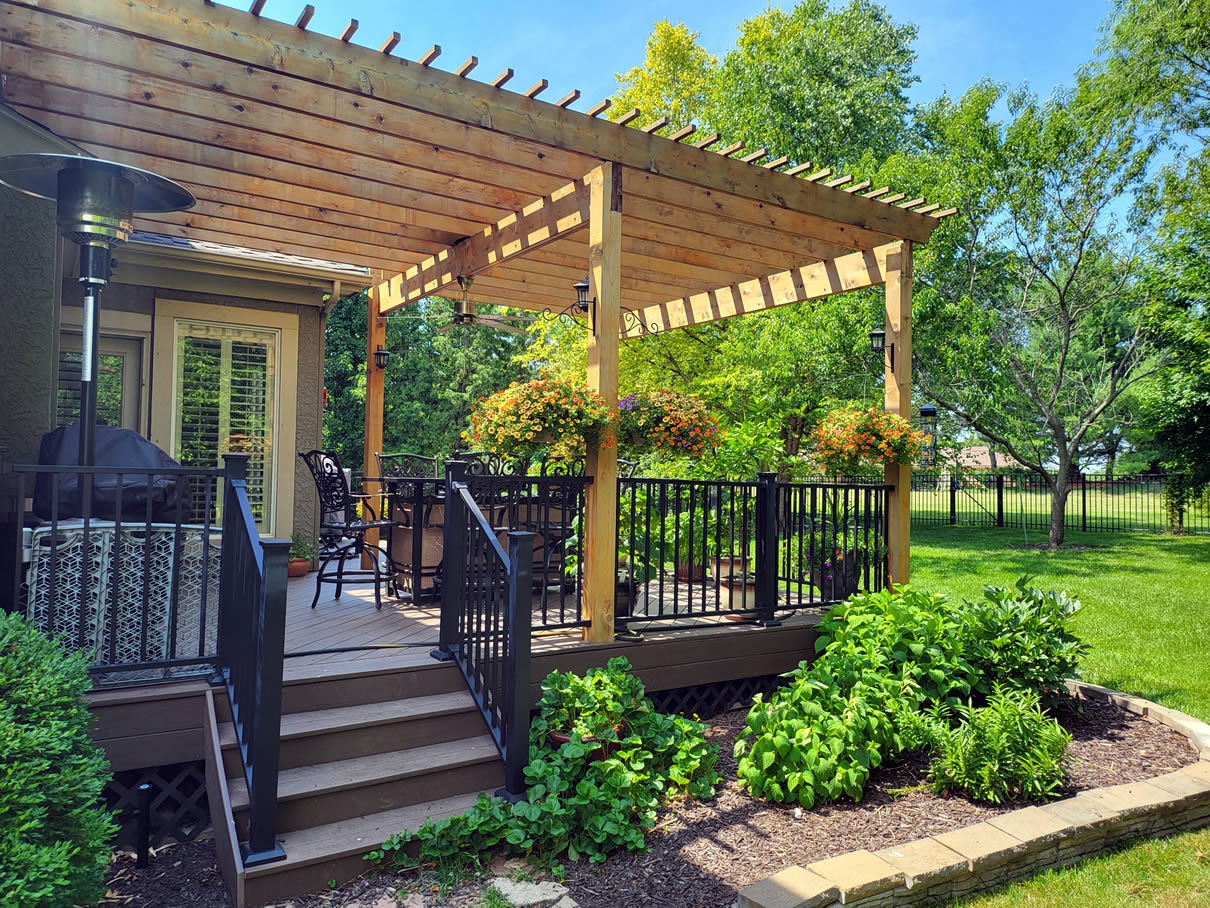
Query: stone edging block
(1012, 845)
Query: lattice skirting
(707, 700)
(179, 810)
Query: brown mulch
(702, 853)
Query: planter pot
(298, 567)
(690, 573)
(735, 592)
(726, 567)
(837, 582)
(624, 595)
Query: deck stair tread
(344, 718)
(339, 775)
(358, 835)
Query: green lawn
(1146, 617)
(1146, 600)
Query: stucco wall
(29, 283)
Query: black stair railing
(486, 605)
(251, 633)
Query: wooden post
(899, 400)
(376, 335)
(601, 501)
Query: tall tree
(1035, 318)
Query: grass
(1146, 617)
(1165, 873)
(1146, 600)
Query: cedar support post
(899, 400)
(601, 504)
(376, 336)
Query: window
(117, 381)
(225, 397)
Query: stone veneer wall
(1017, 844)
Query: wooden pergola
(301, 143)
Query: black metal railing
(110, 562)
(1096, 503)
(486, 595)
(691, 548)
(252, 633)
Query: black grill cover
(115, 448)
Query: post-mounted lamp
(878, 344)
(382, 356)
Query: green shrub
(581, 802)
(54, 832)
(884, 656)
(1005, 751)
(1022, 638)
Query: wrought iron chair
(406, 466)
(417, 512)
(485, 463)
(340, 530)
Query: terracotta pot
(690, 573)
(298, 567)
(737, 593)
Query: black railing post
(264, 748)
(999, 499)
(236, 467)
(1083, 502)
(517, 666)
(766, 550)
(453, 562)
(953, 499)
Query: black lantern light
(573, 311)
(928, 423)
(878, 344)
(582, 300)
(95, 202)
(381, 357)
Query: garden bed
(703, 852)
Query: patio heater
(95, 201)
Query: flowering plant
(846, 440)
(677, 423)
(545, 415)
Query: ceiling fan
(465, 315)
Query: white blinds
(225, 403)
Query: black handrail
(486, 621)
(252, 636)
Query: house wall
(29, 300)
(130, 304)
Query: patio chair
(406, 466)
(341, 532)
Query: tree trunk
(1058, 506)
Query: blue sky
(573, 46)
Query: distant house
(982, 457)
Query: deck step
(342, 789)
(370, 680)
(335, 851)
(328, 735)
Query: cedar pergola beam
(289, 53)
(538, 223)
(815, 281)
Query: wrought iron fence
(689, 549)
(485, 619)
(1096, 503)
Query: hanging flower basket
(667, 421)
(544, 416)
(849, 441)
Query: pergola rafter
(297, 142)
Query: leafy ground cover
(1146, 615)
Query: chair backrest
(485, 463)
(406, 466)
(627, 468)
(334, 498)
(562, 466)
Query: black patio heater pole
(95, 201)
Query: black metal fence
(110, 562)
(1096, 503)
(486, 595)
(252, 639)
(749, 550)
